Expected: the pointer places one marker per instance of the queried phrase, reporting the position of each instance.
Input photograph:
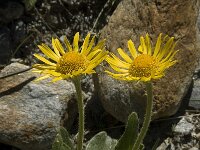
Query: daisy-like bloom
(63, 64)
(146, 63)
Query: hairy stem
(77, 84)
(147, 118)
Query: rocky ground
(22, 29)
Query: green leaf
(101, 141)
(130, 134)
(58, 142)
(62, 140)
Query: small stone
(197, 136)
(183, 127)
(194, 148)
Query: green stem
(77, 84)
(147, 118)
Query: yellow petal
(38, 71)
(48, 52)
(99, 56)
(76, 73)
(124, 55)
(57, 79)
(44, 60)
(166, 48)
(119, 60)
(158, 76)
(148, 44)
(145, 79)
(90, 68)
(118, 63)
(131, 78)
(55, 47)
(143, 45)
(171, 54)
(96, 61)
(158, 44)
(89, 72)
(59, 47)
(167, 64)
(85, 44)
(42, 78)
(67, 44)
(43, 66)
(92, 54)
(117, 74)
(100, 45)
(90, 46)
(132, 49)
(118, 69)
(53, 73)
(140, 49)
(75, 42)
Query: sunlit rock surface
(30, 112)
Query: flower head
(146, 63)
(75, 61)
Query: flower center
(142, 66)
(70, 62)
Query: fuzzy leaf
(130, 134)
(62, 140)
(101, 141)
(65, 137)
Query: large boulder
(130, 20)
(31, 112)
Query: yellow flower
(145, 64)
(76, 61)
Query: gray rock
(119, 98)
(130, 20)
(5, 45)
(183, 127)
(195, 96)
(30, 112)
